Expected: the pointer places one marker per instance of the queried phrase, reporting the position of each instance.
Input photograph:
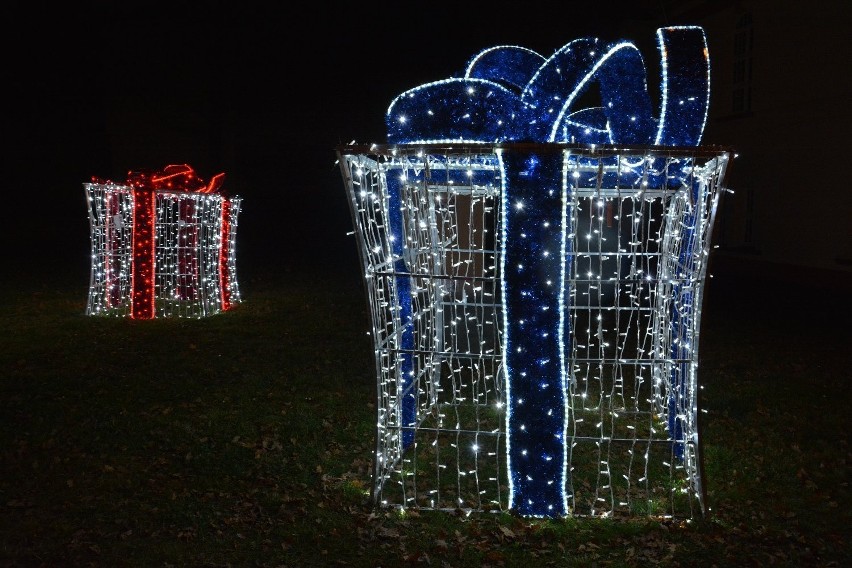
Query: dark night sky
(261, 92)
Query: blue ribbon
(405, 373)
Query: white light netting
(633, 283)
(188, 252)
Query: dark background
(262, 92)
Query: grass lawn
(245, 439)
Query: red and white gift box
(163, 245)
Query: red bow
(175, 177)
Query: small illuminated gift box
(163, 245)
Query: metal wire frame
(634, 286)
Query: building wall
(789, 125)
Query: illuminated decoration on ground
(163, 245)
(535, 274)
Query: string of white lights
(630, 251)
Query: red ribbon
(175, 177)
(142, 303)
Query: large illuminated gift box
(163, 245)
(535, 275)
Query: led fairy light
(395, 214)
(589, 301)
(163, 245)
(110, 214)
(187, 253)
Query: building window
(741, 80)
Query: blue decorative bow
(510, 93)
